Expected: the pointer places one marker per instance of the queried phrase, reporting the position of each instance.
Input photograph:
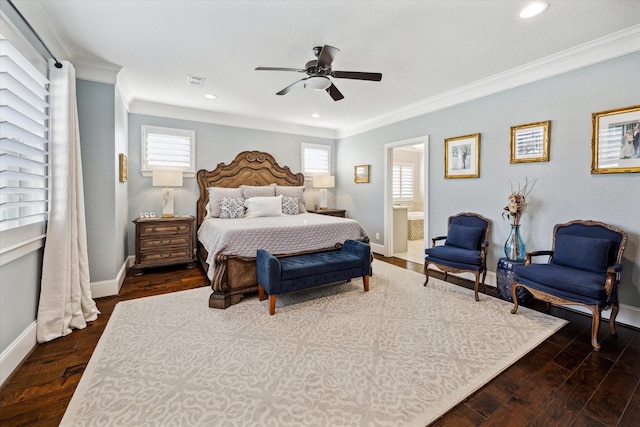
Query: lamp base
(323, 198)
(167, 203)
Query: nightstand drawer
(162, 228)
(163, 242)
(168, 255)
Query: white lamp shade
(324, 181)
(167, 178)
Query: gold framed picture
(462, 156)
(615, 141)
(530, 142)
(361, 174)
(124, 168)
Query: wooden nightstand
(331, 212)
(164, 241)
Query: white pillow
(263, 206)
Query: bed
(226, 247)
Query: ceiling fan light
(318, 83)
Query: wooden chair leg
(426, 273)
(484, 276)
(272, 304)
(612, 318)
(365, 281)
(475, 288)
(514, 296)
(260, 292)
(595, 326)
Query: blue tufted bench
(293, 273)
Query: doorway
(406, 198)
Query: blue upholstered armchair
(583, 269)
(464, 249)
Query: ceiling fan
(319, 70)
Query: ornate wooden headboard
(248, 168)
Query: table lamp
(167, 179)
(323, 182)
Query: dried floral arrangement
(518, 202)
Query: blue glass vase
(514, 247)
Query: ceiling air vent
(194, 81)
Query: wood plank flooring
(562, 382)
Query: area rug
(399, 355)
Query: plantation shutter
(402, 182)
(167, 149)
(316, 159)
(24, 134)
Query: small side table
(504, 275)
(331, 212)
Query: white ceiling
(424, 49)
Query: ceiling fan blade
(326, 56)
(356, 75)
(334, 92)
(289, 88)
(279, 69)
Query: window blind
(316, 159)
(24, 140)
(402, 182)
(166, 148)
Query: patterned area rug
(398, 355)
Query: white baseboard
(377, 249)
(13, 355)
(107, 288)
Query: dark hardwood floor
(561, 382)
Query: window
(402, 181)
(316, 159)
(168, 149)
(24, 134)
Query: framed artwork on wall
(615, 141)
(462, 156)
(361, 174)
(530, 142)
(124, 167)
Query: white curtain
(65, 293)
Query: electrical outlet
(377, 236)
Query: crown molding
(605, 48)
(191, 114)
(95, 71)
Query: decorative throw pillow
(249, 191)
(583, 253)
(231, 208)
(215, 196)
(291, 191)
(263, 206)
(290, 205)
(463, 236)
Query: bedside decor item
(615, 143)
(530, 142)
(124, 167)
(514, 247)
(361, 174)
(167, 179)
(462, 156)
(323, 182)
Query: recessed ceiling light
(210, 96)
(315, 115)
(533, 9)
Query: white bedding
(277, 235)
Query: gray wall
(214, 144)
(19, 295)
(103, 207)
(565, 188)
